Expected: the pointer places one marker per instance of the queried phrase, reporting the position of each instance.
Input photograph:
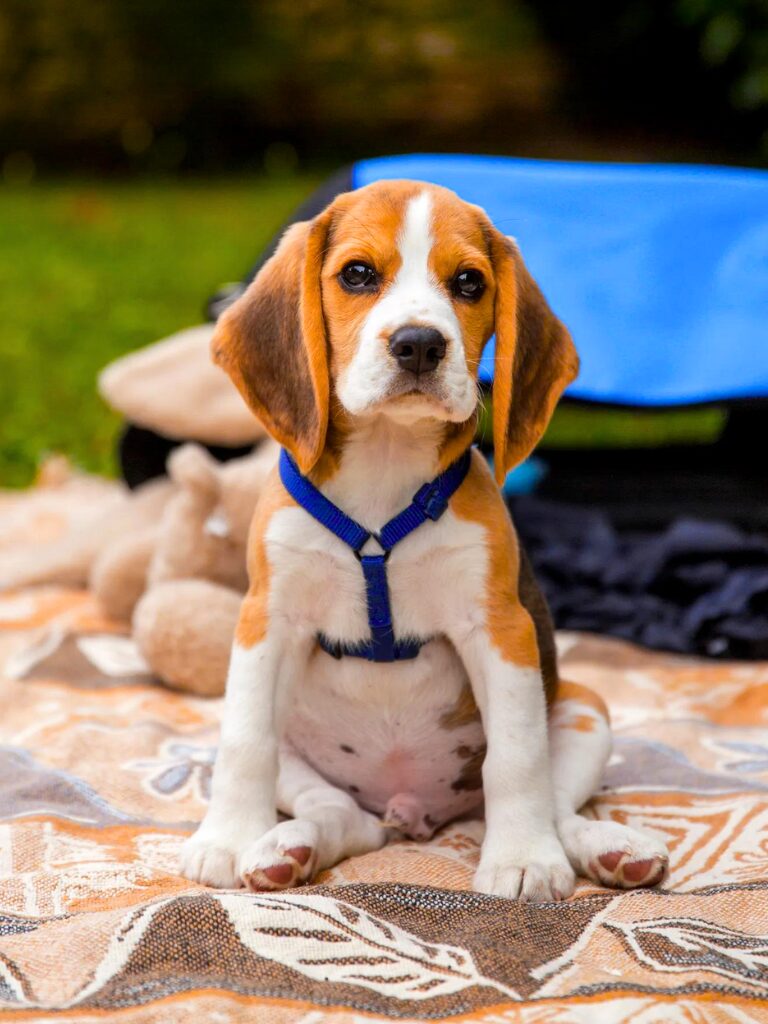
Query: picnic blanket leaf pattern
(103, 773)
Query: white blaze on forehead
(415, 296)
(415, 240)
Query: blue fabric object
(659, 271)
(429, 503)
(525, 478)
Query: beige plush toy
(181, 580)
(173, 388)
(184, 630)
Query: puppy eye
(468, 284)
(358, 277)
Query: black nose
(418, 349)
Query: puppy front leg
(521, 854)
(243, 793)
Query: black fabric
(142, 454)
(649, 487)
(697, 587)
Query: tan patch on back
(509, 624)
(576, 692)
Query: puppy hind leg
(607, 852)
(326, 826)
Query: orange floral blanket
(103, 772)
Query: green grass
(91, 271)
(575, 426)
(587, 426)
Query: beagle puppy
(357, 346)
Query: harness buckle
(431, 501)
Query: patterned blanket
(103, 772)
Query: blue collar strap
(429, 502)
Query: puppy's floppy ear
(535, 359)
(273, 345)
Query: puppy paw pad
(644, 872)
(621, 871)
(611, 861)
(301, 854)
(637, 870)
(280, 874)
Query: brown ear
(272, 343)
(535, 359)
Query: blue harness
(429, 502)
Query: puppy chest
(326, 589)
(436, 577)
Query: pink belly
(405, 767)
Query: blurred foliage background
(150, 85)
(148, 148)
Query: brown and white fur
(347, 746)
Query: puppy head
(385, 302)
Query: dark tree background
(159, 85)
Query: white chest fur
(435, 576)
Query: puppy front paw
(539, 874)
(284, 857)
(613, 854)
(213, 858)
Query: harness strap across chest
(429, 502)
